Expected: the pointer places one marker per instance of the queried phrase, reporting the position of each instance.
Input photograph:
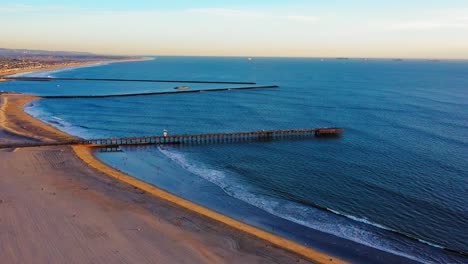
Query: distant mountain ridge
(28, 52)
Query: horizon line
(248, 56)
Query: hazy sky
(316, 28)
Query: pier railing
(206, 138)
(224, 137)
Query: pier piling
(207, 138)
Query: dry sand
(55, 208)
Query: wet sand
(14, 119)
(56, 208)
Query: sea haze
(397, 179)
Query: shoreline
(12, 108)
(65, 66)
(47, 68)
(86, 154)
(24, 124)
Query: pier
(160, 93)
(191, 139)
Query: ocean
(396, 180)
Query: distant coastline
(37, 65)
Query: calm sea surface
(397, 179)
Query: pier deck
(207, 138)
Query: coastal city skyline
(420, 29)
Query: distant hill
(27, 52)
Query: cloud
(24, 8)
(428, 25)
(302, 18)
(226, 12)
(12, 8)
(244, 13)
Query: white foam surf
(330, 222)
(34, 109)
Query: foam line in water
(366, 221)
(292, 211)
(34, 109)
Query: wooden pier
(227, 137)
(208, 138)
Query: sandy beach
(49, 67)
(55, 208)
(60, 66)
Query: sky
(302, 28)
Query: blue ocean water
(397, 179)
